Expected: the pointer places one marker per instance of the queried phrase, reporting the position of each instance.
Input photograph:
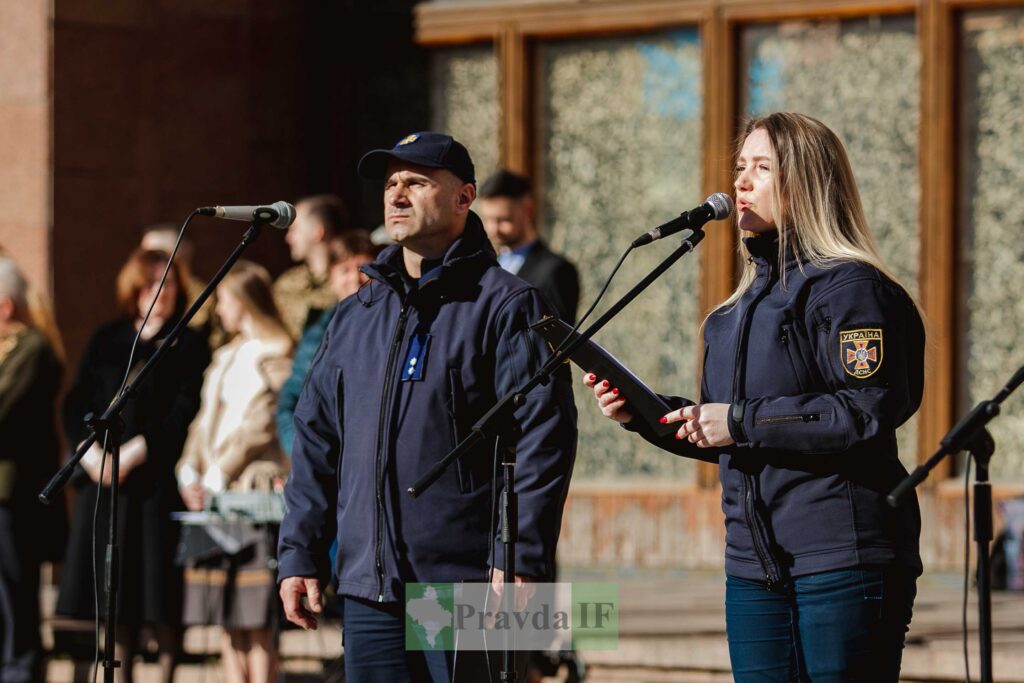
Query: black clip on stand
(971, 435)
(500, 423)
(111, 424)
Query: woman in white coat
(232, 444)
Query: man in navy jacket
(406, 367)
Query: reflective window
(465, 102)
(992, 179)
(620, 153)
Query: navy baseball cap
(432, 150)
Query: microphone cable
(600, 295)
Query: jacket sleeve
(868, 347)
(310, 496)
(547, 447)
(670, 443)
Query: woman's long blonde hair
(819, 213)
(252, 286)
(31, 306)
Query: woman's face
(345, 277)
(755, 182)
(165, 303)
(229, 310)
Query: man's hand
(292, 590)
(524, 588)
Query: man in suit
(506, 209)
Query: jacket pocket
(456, 409)
(339, 417)
(802, 364)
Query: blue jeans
(844, 625)
(374, 638)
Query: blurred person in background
(162, 237)
(156, 421)
(30, 373)
(507, 211)
(232, 444)
(303, 292)
(346, 253)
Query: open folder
(641, 399)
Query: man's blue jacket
(404, 371)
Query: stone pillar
(26, 137)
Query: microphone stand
(112, 425)
(500, 423)
(970, 434)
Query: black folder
(643, 402)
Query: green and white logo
(539, 616)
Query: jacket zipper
(761, 548)
(786, 419)
(387, 396)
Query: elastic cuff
(735, 421)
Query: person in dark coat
(156, 423)
(809, 368)
(506, 209)
(30, 373)
(407, 366)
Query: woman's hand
(705, 425)
(133, 453)
(194, 496)
(612, 405)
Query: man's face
(302, 234)
(424, 206)
(506, 220)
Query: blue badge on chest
(416, 358)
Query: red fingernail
(615, 391)
(678, 437)
(591, 377)
(604, 383)
(664, 419)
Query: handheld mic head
(721, 204)
(278, 215)
(286, 214)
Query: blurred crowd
(214, 419)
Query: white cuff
(213, 480)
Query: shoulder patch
(860, 351)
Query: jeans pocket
(873, 584)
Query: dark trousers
(845, 625)
(20, 649)
(374, 639)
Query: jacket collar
(764, 252)
(470, 248)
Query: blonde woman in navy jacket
(809, 368)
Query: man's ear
(465, 197)
(319, 231)
(527, 204)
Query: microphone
(715, 208)
(278, 215)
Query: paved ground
(671, 630)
